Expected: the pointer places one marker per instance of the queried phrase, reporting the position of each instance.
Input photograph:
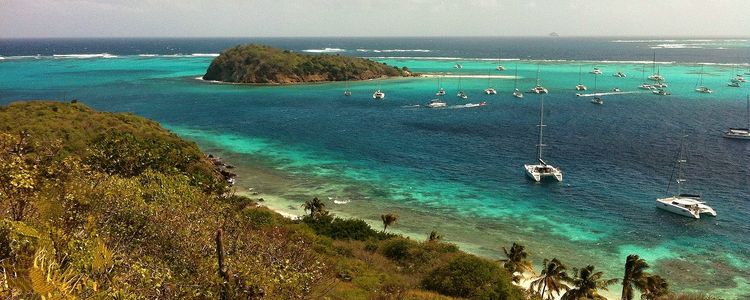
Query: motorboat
(740, 133)
(542, 170)
(661, 92)
(490, 91)
(597, 100)
(518, 94)
(378, 95)
(689, 205)
(616, 90)
(436, 103)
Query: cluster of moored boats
(690, 205)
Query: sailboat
(740, 133)
(542, 170)
(580, 86)
(645, 85)
(461, 93)
(689, 205)
(489, 90)
(441, 90)
(596, 99)
(656, 76)
(700, 88)
(347, 92)
(499, 66)
(538, 89)
(378, 94)
(516, 92)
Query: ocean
(458, 170)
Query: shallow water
(459, 171)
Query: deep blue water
(458, 170)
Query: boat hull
(541, 172)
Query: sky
(352, 18)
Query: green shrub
(344, 229)
(469, 276)
(397, 249)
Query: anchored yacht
(541, 169)
(740, 133)
(378, 95)
(688, 205)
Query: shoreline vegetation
(260, 64)
(105, 205)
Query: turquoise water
(459, 171)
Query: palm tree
(388, 220)
(586, 283)
(635, 275)
(315, 206)
(655, 287)
(516, 261)
(552, 280)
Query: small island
(263, 64)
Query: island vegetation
(267, 65)
(111, 206)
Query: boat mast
(680, 161)
(537, 75)
(541, 129)
(579, 74)
(515, 78)
(653, 66)
(748, 112)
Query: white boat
(347, 93)
(436, 103)
(541, 169)
(688, 205)
(734, 84)
(538, 89)
(620, 74)
(740, 133)
(657, 76)
(461, 93)
(740, 78)
(580, 86)
(596, 99)
(661, 92)
(596, 71)
(472, 105)
(499, 66)
(699, 87)
(646, 86)
(659, 85)
(516, 92)
(489, 90)
(378, 95)
(616, 90)
(441, 91)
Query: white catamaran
(740, 133)
(580, 86)
(689, 205)
(700, 88)
(541, 169)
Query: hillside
(266, 65)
